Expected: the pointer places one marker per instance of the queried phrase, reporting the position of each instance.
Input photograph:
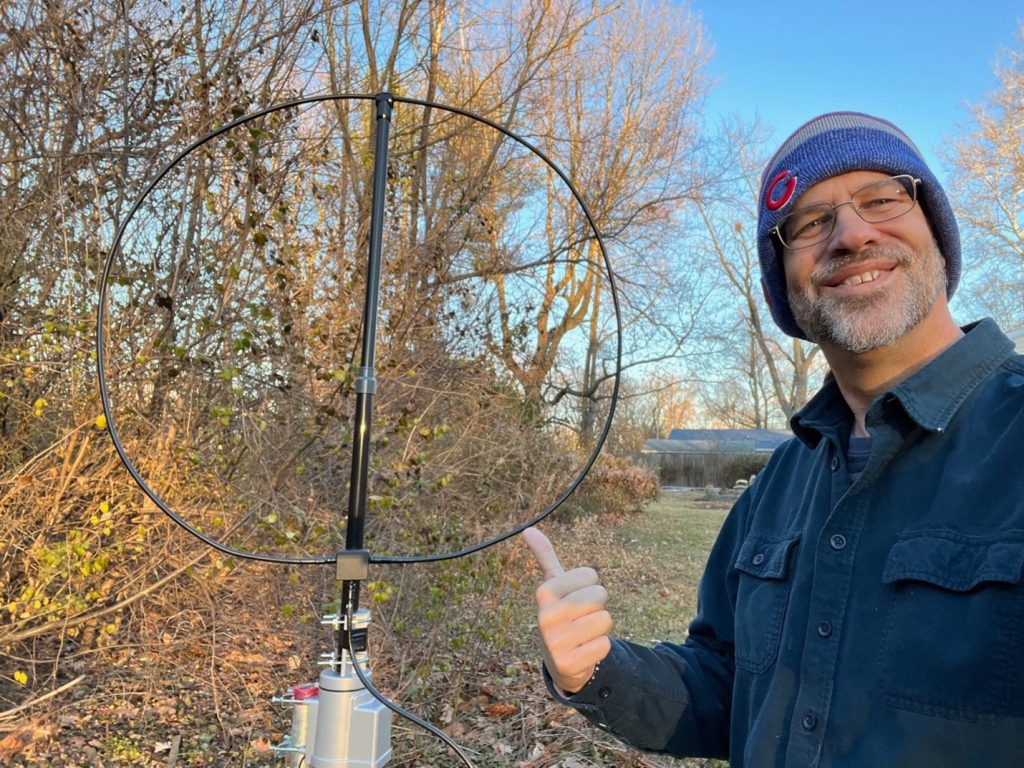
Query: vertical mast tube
(366, 381)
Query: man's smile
(867, 277)
(851, 277)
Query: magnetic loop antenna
(242, 140)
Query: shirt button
(837, 542)
(835, 463)
(604, 692)
(758, 558)
(809, 721)
(825, 629)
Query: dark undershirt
(857, 453)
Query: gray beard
(865, 323)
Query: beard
(864, 323)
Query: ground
(196, 689)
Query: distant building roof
(718, 441)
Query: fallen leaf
(467, 705)
(501, 709)
(455, 730)
(10, 745)
(447, 714)
(251, 715)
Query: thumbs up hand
(573, 622)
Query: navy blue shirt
(867, 623)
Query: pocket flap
(765, 558)
(955, 561)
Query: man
(864, 603)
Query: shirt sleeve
(674, 698)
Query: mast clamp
(353, 564)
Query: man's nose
(850, 233)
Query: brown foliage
(616, 486)
(232, 336)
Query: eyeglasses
(879, 201)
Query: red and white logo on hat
(772, 202)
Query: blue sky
(915, 63)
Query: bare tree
(651, 407)
(742, 398)
(989, 175)
(776, 369)
(621, 116)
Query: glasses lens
(885, 199)
(807, 226)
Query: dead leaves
(11, 745)
(24, 742)
(260, 745)
(484, 702)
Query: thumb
(543, 553)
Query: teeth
(867, 277)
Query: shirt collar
(825, 414)
(931, 396)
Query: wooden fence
(699, 470)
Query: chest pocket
(954, 633)
(765, 576)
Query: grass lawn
(660, 558)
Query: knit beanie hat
(827, 146)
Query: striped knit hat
(827, 146)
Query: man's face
(868, 284)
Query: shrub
(616, 486)
(743, 466)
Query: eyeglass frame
(777, 229)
